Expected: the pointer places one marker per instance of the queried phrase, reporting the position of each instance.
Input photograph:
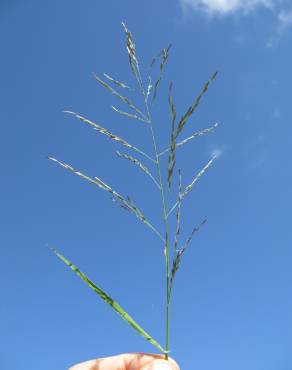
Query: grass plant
(172, 248)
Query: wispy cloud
(280, 9)
(225, 7)
(216, 152)
(284, 21)
(276, 113)
(258, 162)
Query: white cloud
(285, 17)
(217, 152)
(224, 7)
(281, 10)
(258, 162)
(276, 113)
(284, 21)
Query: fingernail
(160, 366)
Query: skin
(129, 361)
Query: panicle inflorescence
(133, 112)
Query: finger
(129, 361)
(161, 365)
(106, 363)
(146, 361)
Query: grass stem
(166, 248)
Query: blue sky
(232, 300)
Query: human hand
(129, 361)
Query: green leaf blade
(111, 302)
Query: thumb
(161, 365)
